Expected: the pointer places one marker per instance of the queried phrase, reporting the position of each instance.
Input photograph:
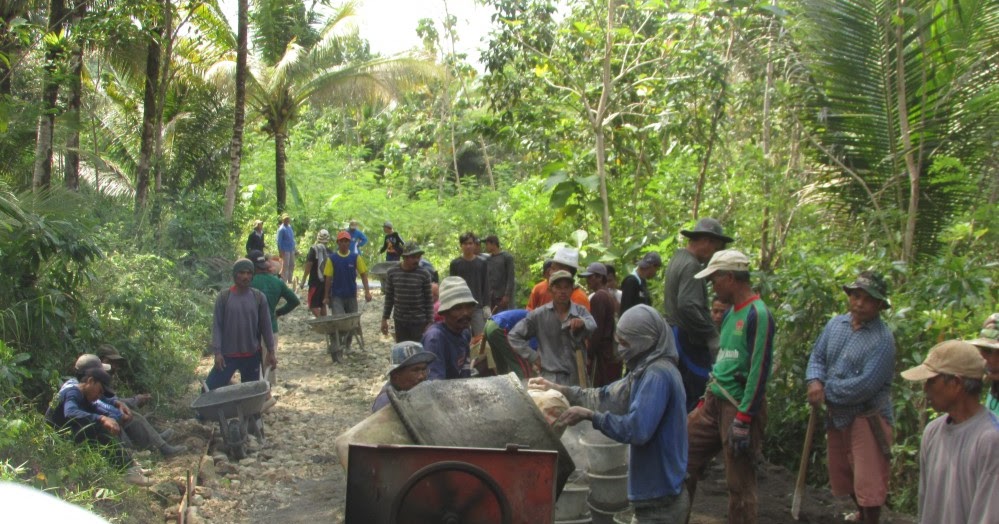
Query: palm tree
(280, 84)
(905, 93)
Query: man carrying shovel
(850, 372)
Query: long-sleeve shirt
(107, 406)
(275, 289)
(556, 345)
(452, 351)
(959, 470)
(72, 404)
(603, 308)
(634, 291)
(475, 272)
(255, 241)
(286, 238)
(501, 277)
(687, 308)
(357, 240)
(745, 357)
(239, 321)
(855, 367)
(408, 297)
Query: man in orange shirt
(565, 259)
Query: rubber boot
(168, 451)
(870, 515)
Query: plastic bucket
(603, 454)
(609, 492)
(571, 503)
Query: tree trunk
(149, 130)
(42, 176)
(76, 92)
(489, 164)
(598, 124)
(236, 147)
(161, 92)
(280, 159)
(911, 164)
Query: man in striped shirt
(732, 417)
(408, 298)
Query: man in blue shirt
(647, 410)
(286, 246)
(357, 238)
(449, 340)
(850, 371)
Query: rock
(197, 500)
(168, 490)
(193, 517)
(208, 476)
(204, 491)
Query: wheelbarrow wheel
(451, 492)
(235, 440)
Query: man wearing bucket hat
(409, 368)
(635, 286)
(316, 263)
(850, 372)
(286, 247)
(732, 415)
(392, 245)
(241, 319)
(408, 297)
(449, 340)
(256, 238)
(686, 305)
(561, 327)
(988, 344)
(565, 259)
(959, 453)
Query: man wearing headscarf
(645, 409)
(241, 319)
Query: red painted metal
(429, 485)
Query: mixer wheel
(451, 492)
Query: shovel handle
(799, 486)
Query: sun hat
(454, 292)
(352, 223)
(725, 260)
(651, 259)
(387, 224)
(707, 227)
(343, 235)
(411, 249)
(259, 259)
(596, 268)
(559, 275)
(285, 216)
(871, 282)
(409, 353)
(88, 361)
(107, 351)
(323, 236)
(988, 337)
(950, 357)
(258, 223)
(567, 256)
(243, 264)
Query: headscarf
(648, 336)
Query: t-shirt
(959, 471)
(318, 258)
(634, 291)
(344, 270)
(745, 356)
(476, 274)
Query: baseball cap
(725, 260)
(950, 357)
(560, 275)
(871, 282)
(343, 235)
(259, 259)
(387, 224)
(409, 353)
(101, 376)
(90, 361)
(651, 259)
(596, 268)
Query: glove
(738, 437)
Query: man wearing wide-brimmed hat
(408, 297)
(988, 344)
(850, 372)
(286, 247)
(561, 327)
(409, 367)
(687, 306)
(959, 453)
(256, 238)
(449, 340)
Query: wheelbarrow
(339, 331)
(237, 409)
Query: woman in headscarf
(645, 409)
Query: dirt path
(297, 478)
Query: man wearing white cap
(959, 454)
(732, 416)
(409, 367)
(449, 340)
(561, 327)
(565, 259)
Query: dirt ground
(296, 476)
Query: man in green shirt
(732, 417)
(988, 345)
(274, 289)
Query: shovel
(799, 486)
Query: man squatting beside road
(686, 305)
(561, 326)
(474, 270)
(645, 409)
(286, 247)
(502, 279)
(409, 368)
(959, 453)
(316, 263)
(732, 417)
(408, 297)
(240, 320)
(850, 371)
(449, 340)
